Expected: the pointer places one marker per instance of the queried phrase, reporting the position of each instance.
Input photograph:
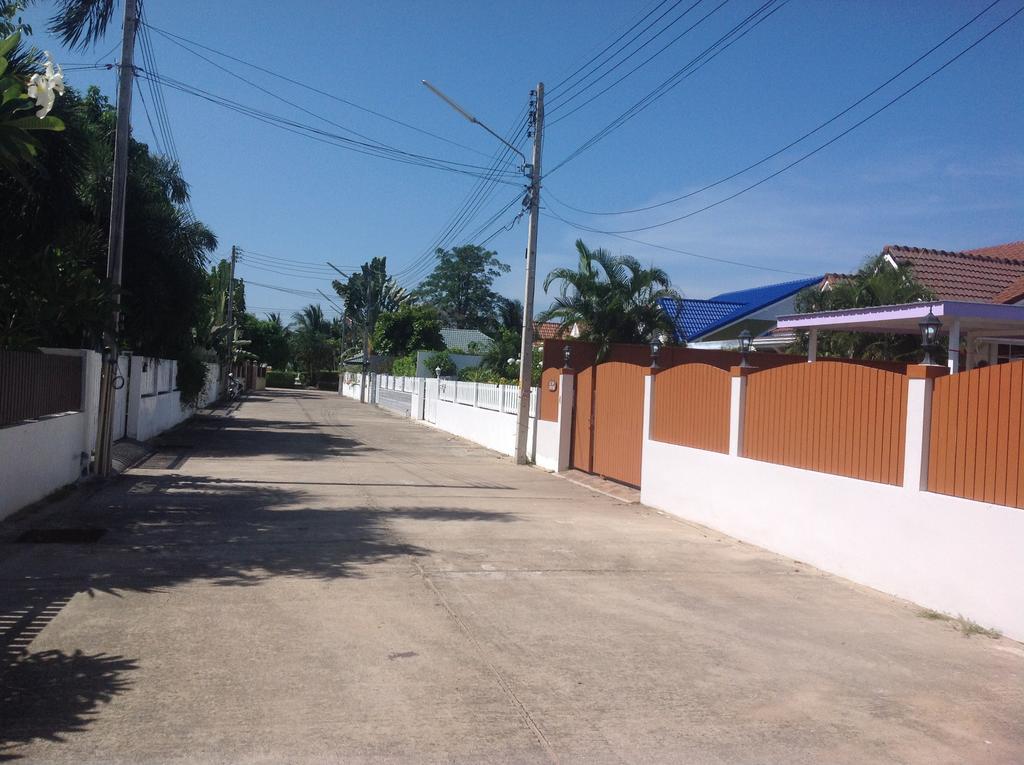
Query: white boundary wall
(946, 553)
(482, 413)
(39, 456)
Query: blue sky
(942, 168)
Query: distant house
(718, 321)
(986, 275)
(460, 339)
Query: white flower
(45, 86)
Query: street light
(532, 169)
(567, 356)
(746, 342)
(929, 336)
(437, 372)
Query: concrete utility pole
(526, 347)
(363, 394)
(533, 170)
(231, 309)
(115, 240)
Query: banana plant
(18, 145)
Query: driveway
(309, 579)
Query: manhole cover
(62, 536)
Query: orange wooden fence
(549, 394)
(831, 417)
(691, 407)
(977, 435)
(618, 407)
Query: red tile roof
(546, 330)
(1012, 294)
(981, 275)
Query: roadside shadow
(49, 694)
(228, 437)
(161, 532)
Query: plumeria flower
(45, 86)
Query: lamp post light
(567, 356)
(437, 372)
(930, 336)
(746, 342)
(656, 345)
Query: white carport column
(920, 384)
(737, 402)
(812, 345)
(566, 401)
(954, 347)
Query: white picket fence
(497, 398)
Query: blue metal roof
(692, 319)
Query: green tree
(610, 298)
(65, 206)
(311, 342)
(268, 339)
(367, 294)
(876, 283)
(410, 328)
(461, 286)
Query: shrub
(192, 377)
(443, 360)
(280, 379)
(405, 366)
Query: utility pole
(363, 394)
(526, 347)
(231, 309)
(533, 170)
(115, 240)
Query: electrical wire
(793, 143)
(548, 213)
(181, 39)
(580, 91)
(828, 143)
(554, 88)
(723, 43)
(322, 136)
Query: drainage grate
(62, 536)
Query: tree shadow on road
(161, 532)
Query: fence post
(566, 400)
(920, 384)
(737, 407)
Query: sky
(943, 167)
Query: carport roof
(974, 318)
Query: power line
(723, 43)
(552, 214)
(553, 89)
(828, 143)
(802, 138)
(580, 91)
(322, 136)
(172, 36)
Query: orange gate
(608, 416)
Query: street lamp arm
(437, 92)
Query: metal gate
(608, 420)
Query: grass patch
(960, 623)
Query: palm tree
(610, 298)
(312, 347)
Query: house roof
(546, 330)
(974, 275)
(692, 319)
(1013, 293)
(461, 338)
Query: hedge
(279, 379)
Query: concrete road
(313, 580)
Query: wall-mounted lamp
(746, 343)
(930, 336)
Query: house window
(1006, 352)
